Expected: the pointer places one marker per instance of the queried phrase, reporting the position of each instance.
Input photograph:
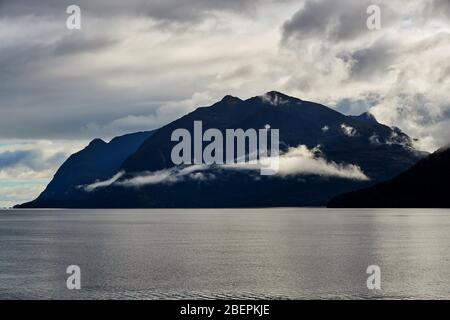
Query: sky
(137, 65)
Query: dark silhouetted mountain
(425, 185)
(98, 161)
(380, 151)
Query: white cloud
(399, 72)
(12, 193)
(348, 130)
(273, 99)
(296, 161)
(171, 175)
(34, 159)
(151, 178)
(303, 161)
(102, 184)
(374, 139)
(27, 166)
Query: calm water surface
(198, 254)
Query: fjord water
(197, 254)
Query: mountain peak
(276, 98)
(366, 117)
(97, 142)
(229, 99)
(274, 94)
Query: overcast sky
(136, 65)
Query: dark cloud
(358, 106)
(332, 20)
(439, 8)
(9, 158)
(373, 60)
(31, 159)
(41, 100)
(120, 73)
(167, 10)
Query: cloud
(167, 10)
(12, 194)
(27, 166)
(122, 71)
(303, 161)
(375, 139)
(32, 159)
(172, 175)
(273, 99)
(348, 130)
(332, 20)
(400, 73)
(102, 184)
(296, 161)
(8, 158)
(162, 176)
(160, 116)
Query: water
(225, 254)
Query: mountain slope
(425, 185)
(98, 161)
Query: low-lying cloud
(102, 184)
(303, 161)
(296, 161)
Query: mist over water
(246, 253)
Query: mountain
(300, 122)
(98, 161)
(425, 185)
(332, 141)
